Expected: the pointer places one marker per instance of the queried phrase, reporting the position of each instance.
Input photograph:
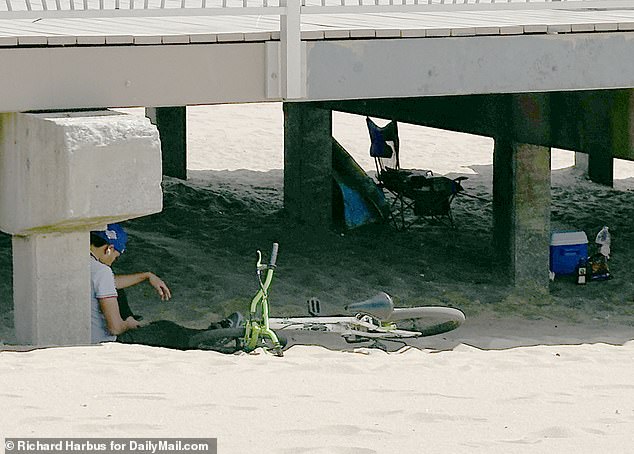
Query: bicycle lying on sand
(371, 320)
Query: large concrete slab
(598, 122)
(362, 69)
(131, 76)
(68, 170)
(187, 74)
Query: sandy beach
(560, 399)
(525, 373)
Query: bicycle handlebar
(274, 255)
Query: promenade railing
(24, 9)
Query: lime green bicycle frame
(257, 328)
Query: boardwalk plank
(62, 40)
(8, 41)
(203, 38)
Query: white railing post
(291, 45)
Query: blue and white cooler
(567, 249)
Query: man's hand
(131, 323)
(161, 288)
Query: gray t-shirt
(102, 286)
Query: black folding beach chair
(416, 193)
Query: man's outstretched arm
(128, 280)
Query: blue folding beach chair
(416, 193)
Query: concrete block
(51, 280)
(64, 171)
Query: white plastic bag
(603, 240)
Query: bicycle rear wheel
(429, 321)
(440, 328)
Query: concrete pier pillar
(582, 163)
(521, 212)
(597, 109)
(63, 174)
(521, 191)
(601, 166)
(51, 284)
(503, 196)
(308, 164)
(172, 125)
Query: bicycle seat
(379, 306)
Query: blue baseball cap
(114, 235)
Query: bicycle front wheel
(223, 340)
(227, 340)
